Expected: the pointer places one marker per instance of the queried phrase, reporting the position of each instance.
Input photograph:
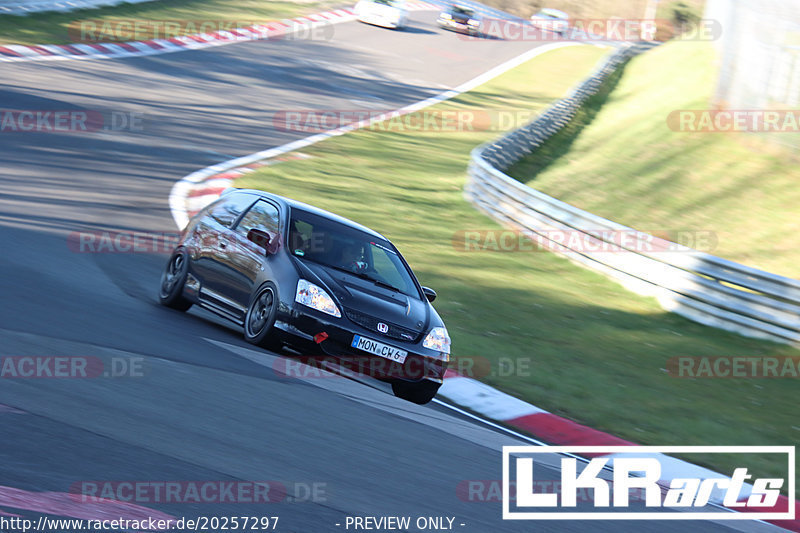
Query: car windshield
(457, 10)
(347, 249)
(393, 3)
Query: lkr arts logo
(642, 482)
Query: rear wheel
(260, 317)
(172, 280)
(420, 392)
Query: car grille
(371, 323)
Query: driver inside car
(352, 259)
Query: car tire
(419, 392)
(173, 278)
(260, 317)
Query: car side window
(301, 236)
(262, 215)
(228, 210)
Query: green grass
(598, 352)
(54, 28)
(626, 164)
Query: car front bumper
(317, 337)
(379, 20)
(454, 25)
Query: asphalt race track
(203, 404)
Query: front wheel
(420, 392)
(172, 281)
(260, 317)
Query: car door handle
(223, 244)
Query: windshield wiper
(363, 276)
(379, 283)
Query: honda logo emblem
(383, 328)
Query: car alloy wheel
(260, 317)
(172, 280)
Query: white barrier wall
(759, 48)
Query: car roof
(291, 203)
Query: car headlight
(473, 22)
(315, 297)
(438, 340)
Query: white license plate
(378, 348)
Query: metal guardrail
(697, 285)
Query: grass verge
(598, 353)
(55, 28)
(628, 165)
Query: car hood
(383, 10)
(367, 304)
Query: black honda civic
(297, 277)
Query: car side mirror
(263, 239)
(429, 293)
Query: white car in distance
(553, 20)
(386, 13)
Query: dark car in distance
(461, 19)
(296, 276)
